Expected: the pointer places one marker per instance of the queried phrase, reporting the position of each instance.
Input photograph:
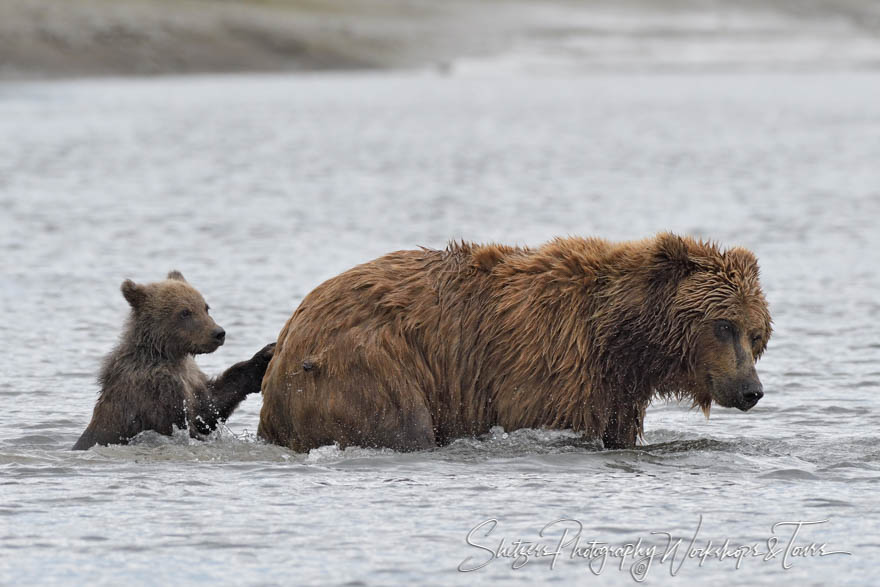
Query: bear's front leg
(624, 426)
(228, 390)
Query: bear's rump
(354, 391)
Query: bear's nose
(219, 334)
(753, 394)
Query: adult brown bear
(417, 348)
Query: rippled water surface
(259, 188)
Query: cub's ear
(134, 293)
(672, 259)
(176, 275)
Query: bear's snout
(750, 393)
(219, 335)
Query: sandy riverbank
(46, 38)
(97, 37)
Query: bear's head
(171, 318)
(718, 318)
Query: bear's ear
(176, 275)
(743, 261)
(135, 294)
(671, 259)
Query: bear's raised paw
(264, 355)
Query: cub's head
(171, 317)
(720, 317)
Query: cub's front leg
(224, 393)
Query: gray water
(259, 188)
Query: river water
(259, 188)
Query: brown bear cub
(151, 382)
(417, 348)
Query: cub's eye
(756, 339)
(724, 329)
(186, 313)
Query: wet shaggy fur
(151, 382)
(420, 347)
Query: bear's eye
(207, 307)
(186, 313)
(724, 330)
(756, 339)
